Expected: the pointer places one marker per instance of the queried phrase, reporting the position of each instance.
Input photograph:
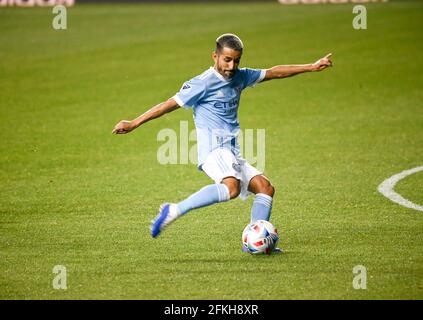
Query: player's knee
(262, 185)
(270, 190)
(234, 192)
(267, 188)
(233, 187)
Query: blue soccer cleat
(168, 213)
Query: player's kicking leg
(262, 205)
(211, 194)
(264, 191)
(219, 167)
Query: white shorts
(222, 163)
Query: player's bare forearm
(155, 112)
(126, 126)
(284, 71)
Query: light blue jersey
(215, 102)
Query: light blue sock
(262, 206)
(208, 195)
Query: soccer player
(214, 98)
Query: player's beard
(230, 73)
(226, 73)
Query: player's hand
(123, 127)
(322, 63)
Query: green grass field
(73, 194)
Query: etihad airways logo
(226, 105)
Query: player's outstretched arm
(126, 126)
(285, 71)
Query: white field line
(387, 189)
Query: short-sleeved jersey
(215, 102)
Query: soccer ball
(260, 237)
